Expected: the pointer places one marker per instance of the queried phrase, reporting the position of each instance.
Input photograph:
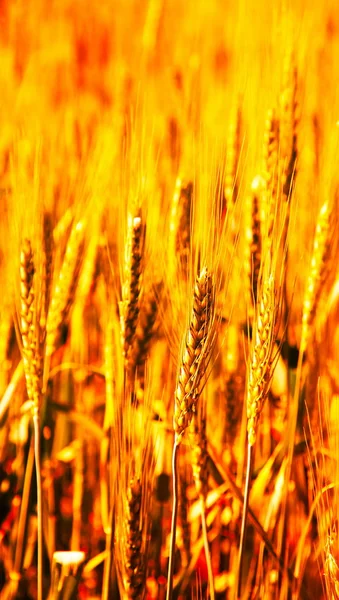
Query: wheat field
(169, 346)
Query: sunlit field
(169, 334)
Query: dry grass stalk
(129, 307)
(64, 291)
(318, 271)
(195, 353)
(259, 374)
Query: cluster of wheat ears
(169, 334)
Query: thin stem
(11, 388)
(169, 592)
(36, 424)
(222, 474)
(107, 578)
(22, 525)
(244, 516)
(206, 547)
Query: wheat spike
(233, 148)
(144, 331)
(199, 454)
(254, 234)
(64, 291)
(28, 326)
(261, 356)
(180, 225)
(48, 245)
(133, 568)
(129, 307)
(318, 271)
(289, 127)
(195, 354)
(270, 169)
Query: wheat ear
(233, 148)
(129, 307)
(318, 271)
(180, 225)
(48, 246)
(196, 352)
(289, 120)
(254, 235)
(270, 170)
(64, 291)
(32, 369)
(132, 562)
(144, 331)
(259, 377)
